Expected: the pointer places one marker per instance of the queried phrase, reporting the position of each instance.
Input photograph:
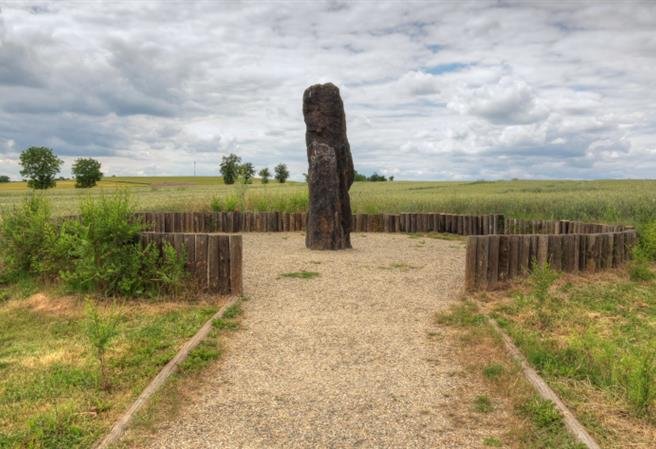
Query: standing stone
(330, 173)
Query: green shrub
(100, 252)
(228, 203)
(107, 258)
(104, 248)
(100, 332)
(639, 269)
(27, 240)
(647, 243)
(542, 278)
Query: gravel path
(347, 359)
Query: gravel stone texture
(347, 359)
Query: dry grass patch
(498, 390)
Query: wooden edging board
(540, 386)
(121, 425)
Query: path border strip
(573, 425)
(121, 425)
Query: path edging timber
(121, 424)
(540, 386)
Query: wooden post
(224, 264)
(471, 264)
(555, 252)
(236, 260)
(213, 263)
(482, 267)
(524, 263)
(493, 262)
(190, 251)
(543, 249)
(504, 258)
(592, 252)
(201, 258)
(513, 268)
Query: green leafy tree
(357, 177)
(229, 168)
(247, 171)
(86, 172)
(4, 178)
(377, 178)
(40, 166)
(281, 173)
(264, 175)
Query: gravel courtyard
(351, 358)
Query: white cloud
(432, 90)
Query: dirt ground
(352, 357)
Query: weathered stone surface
(330, 173)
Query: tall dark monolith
(330, 173)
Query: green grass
(492, 442)
(483, 404)
(300, 274)
(595, 343)
(49, 391)
(612, 201)
(493, 371)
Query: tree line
(232, 169)
(40, 166)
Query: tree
(264, 175)
(40, 166)
(281, 173)
(229, 168)
(357, 177)
(4, 178)
(391, 178)
(247, 171)
(376, 178)
(86, 172)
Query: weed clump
(100, 332)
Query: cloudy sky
(439, 90)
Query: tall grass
(611, 201)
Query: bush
(28, 240)
(107, 258)
(100, 252)
(4, 178)
(647, 244)
(639, 267)
(542, 278)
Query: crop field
(610, 201)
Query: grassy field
(611, 201)
(593, 339)
(51, 394)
